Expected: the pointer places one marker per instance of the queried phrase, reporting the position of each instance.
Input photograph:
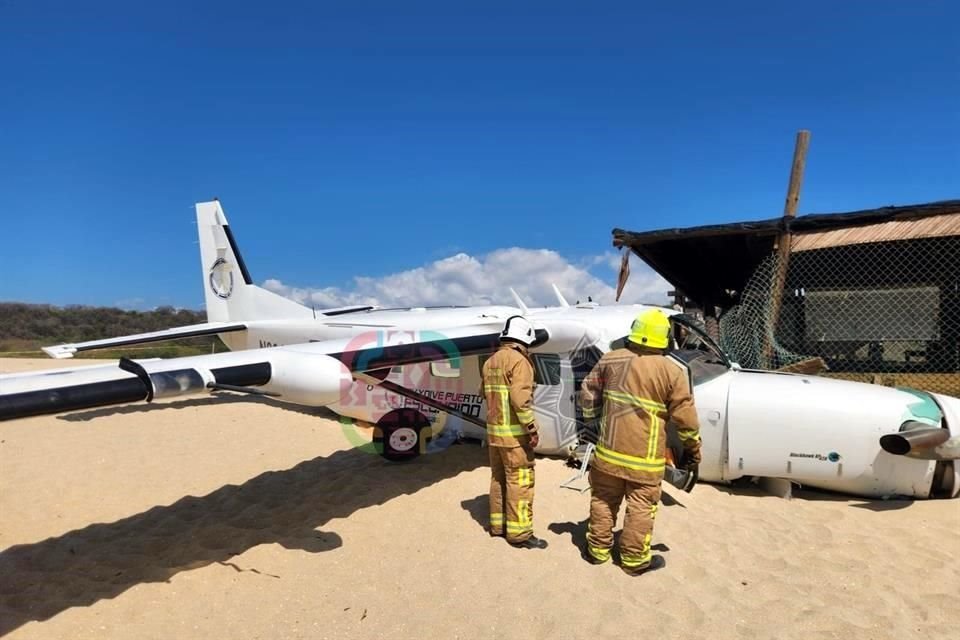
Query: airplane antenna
(563, 301)
(519, 302)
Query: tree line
(24, 328)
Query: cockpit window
(697, 350)
(702, 366)
(689, 335)
(693, 347)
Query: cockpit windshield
(697, 350)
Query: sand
(229, 517)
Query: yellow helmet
(651, 329)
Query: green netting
(886, 312)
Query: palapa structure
(870, 295)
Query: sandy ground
(231, 518)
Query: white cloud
(471, 280)
(132, 304)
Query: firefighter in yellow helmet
(634, 391)
(512, 435)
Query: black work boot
(656, 562)
(533, 542)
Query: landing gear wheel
(402, 435)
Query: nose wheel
(402, 435)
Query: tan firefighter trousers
(511, 492)
(607, 493)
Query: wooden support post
(783, 240)
(796, 173)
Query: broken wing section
(61, 351)
(313, 374)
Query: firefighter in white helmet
(635, 391)
(512, 434)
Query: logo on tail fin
(221, 278)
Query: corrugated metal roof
(937, 226)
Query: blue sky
(383, 139)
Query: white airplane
(415, 374)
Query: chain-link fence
(881, 312)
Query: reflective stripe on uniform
(631, 561)
(519, 527)
(599, 553)
(506, 430)
(525, 416)
(589, 412)
(496, 519)
(525, 477)
(503, 392)
(688, 436)
(637, 560)
(524, 523)
(651, 408)
(637, 401)
(629, 462)
(654, 438)
(523, 512)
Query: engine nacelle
(307, 379)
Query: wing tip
(60, 351)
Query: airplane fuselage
(753, 423)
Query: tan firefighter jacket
(508, 391)
(635, 393)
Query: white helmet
(518, 329)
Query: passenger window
(546, 368)
(443, 369)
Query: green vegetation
(24, 328)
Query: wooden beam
(783, 240)
(796, 173)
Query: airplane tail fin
(229, 292)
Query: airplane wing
(311, 374)
(60, 351)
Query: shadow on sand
(578, 537)
(101, 561)
(479, 510)
(215, 398)
(747, 488)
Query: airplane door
(554, 403)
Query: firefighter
(512, 435)
(634, 391)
